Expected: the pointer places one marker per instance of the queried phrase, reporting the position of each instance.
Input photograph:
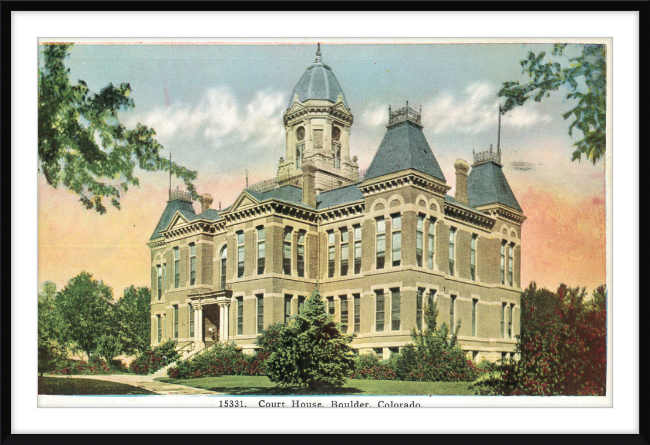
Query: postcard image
(290, 223)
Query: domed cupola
(318, 83)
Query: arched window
(224, 256)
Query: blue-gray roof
(339, 196)
(209, 214)
(487, 184)
(288, 193)
(318, 82)
(404, 146)
(184, 207)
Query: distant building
(379, 246)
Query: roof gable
(185, 208)
(246, 199)
(487, 184)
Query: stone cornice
(411, 177)
(342, 211)
(268, 208)
(501, 211)
(300, 113)
(469, 216)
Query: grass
(253, 385)
(69, 386)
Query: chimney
(462, 167)
(206, 202)
(309, 183)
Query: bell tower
(317, 125)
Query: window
(419, 308)
(261, 250)
(192, 264)
(379, 314)
(430, 244)
(503, 262)
(512, 308)
(472, 257)
(452, 250)
(474, 307)
(395, 304)
(260, 312)
(241, 255)
(287, 308)
(159, 273)
(224, 255)
(331, 254)
(300, 148)
(344, 314)
(452, 313)
(503, 319)
(301, 253)
(286, 262)
(191, 321)
(357, 312)
(337, 155)
(164, 275)
(511, 262)
(159, 321)
(177, 267)
(357, 249)
(432, 296)
(240, 315)
(397, 240)
(344, 251)
(330, 306)
(318, 138)
(301, 303)
(381, 243)
(419, 239)
(175, 321)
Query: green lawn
(249, 385)
(69, 386)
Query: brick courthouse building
(378, 246)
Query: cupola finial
(319, 59)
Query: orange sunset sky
(219, 110)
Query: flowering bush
(151, 360)
(96, 366)
(378, 372)
(563, 346)
(217, 361)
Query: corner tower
(317, 124)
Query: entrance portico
(211, 316)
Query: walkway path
(144, 381)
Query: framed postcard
(387, 213)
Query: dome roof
(318, 82)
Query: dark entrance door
(211, 323)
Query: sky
(218, 109)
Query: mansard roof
(338, 196)
(318, 82)
(288, 193)
(404, 146)
(185, 208)
(487, 184)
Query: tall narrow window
(191, 321)
(379, 312)
(260, 312)
(224, 255)
(452, 313)
(337, 155)
(287, 308)
(344, 251)
(241, 255)
(301, 303)
(503, 320)
(452, 250)
(159, 321)
(395, 310)
(331, 254)
(192, 264)
(344, 314)
(299, 150)
(175, 321)
(381, 243)
(512, 307)
(318, 138)
(503, 262)
(330, 306)
(432, 297)
(511, 262)
(164, 275)
(419, 308)
(357, 312)
(261, 250)
(430, 242)
(159, 272)
(286, 261)
(177, 267)
(301, 254)
(357, 249)
(396, 243)
(474, 307)
(472, 257)
(419, 240)
(240, 315)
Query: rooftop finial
(319, 59)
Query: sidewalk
(143, 381)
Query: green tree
(84, 305)
(310, 350)
(51, 347)
(83, 145)
(133, 320)
(585, 76)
